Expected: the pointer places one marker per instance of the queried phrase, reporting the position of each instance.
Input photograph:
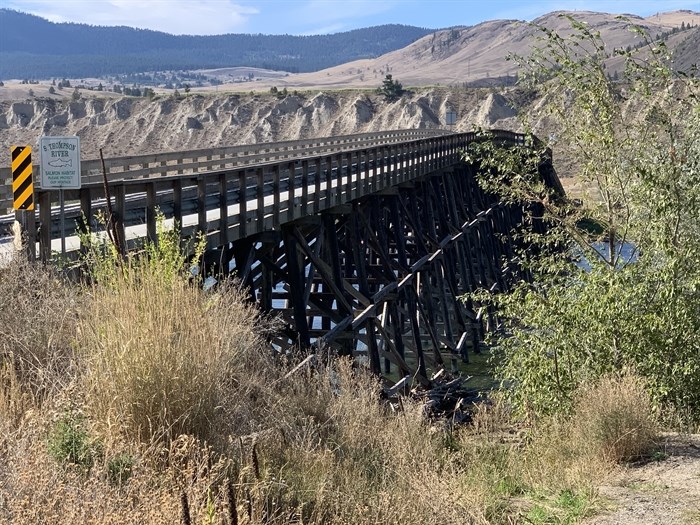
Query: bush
(120, 468)
(69, 442)
(164, 357)
(616, 418)
(591, 310)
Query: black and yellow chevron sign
(22, 183)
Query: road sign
(22, 181)
(60, 162)
(451, 117)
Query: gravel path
(661, 492)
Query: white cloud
(172, 16)
(325, 30)
(306, 17)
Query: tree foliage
(391, 89)
(616, 279)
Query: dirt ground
(663, 491)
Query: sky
(305, 17)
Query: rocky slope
(129, 126)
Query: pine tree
(391, 89)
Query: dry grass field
(141, 398)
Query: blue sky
(299, 17)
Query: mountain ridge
(32, 47)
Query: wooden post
(296, 287)
(223, 209)
(45, 219)
(151, 213)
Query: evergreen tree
(391, 89)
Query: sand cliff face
(131, 126)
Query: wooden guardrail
(201, 160)
(231, 203)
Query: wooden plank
(304, 187)
(296, 283)
(177, 201)
(45, 221)
(276, 208)
(151, 214)
(260, 199)
(223, 209)
(317, 185)
(291, 209)
(373, 350)
(202, 204)
(119, 191)
(242, 204)
(85, 222)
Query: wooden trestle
(382, 276)
(363, 246)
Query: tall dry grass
(164, 358)
(616, 418)
(173, 394)
(37, 319)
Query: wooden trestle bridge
(362, 244)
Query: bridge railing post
(291, 170)
(223, 209)
(151, 234)
(317, 185)
(260, 198)
(304, 186)
(202, 203)
(242, 204)
(276, 196)
(328, 177)
(45, 221)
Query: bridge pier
(381, 276)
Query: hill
(477, 54)
(34, 48)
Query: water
(626, 253)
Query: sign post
(22, 182)
(60, 169)
(23, 198)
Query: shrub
(616, 418)
(119, 468)
(163, 356)
(69, 442)
(591, 308)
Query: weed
(575, 505)
(70, 443)
(119, 468)
(658, 455)
(538, 515)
